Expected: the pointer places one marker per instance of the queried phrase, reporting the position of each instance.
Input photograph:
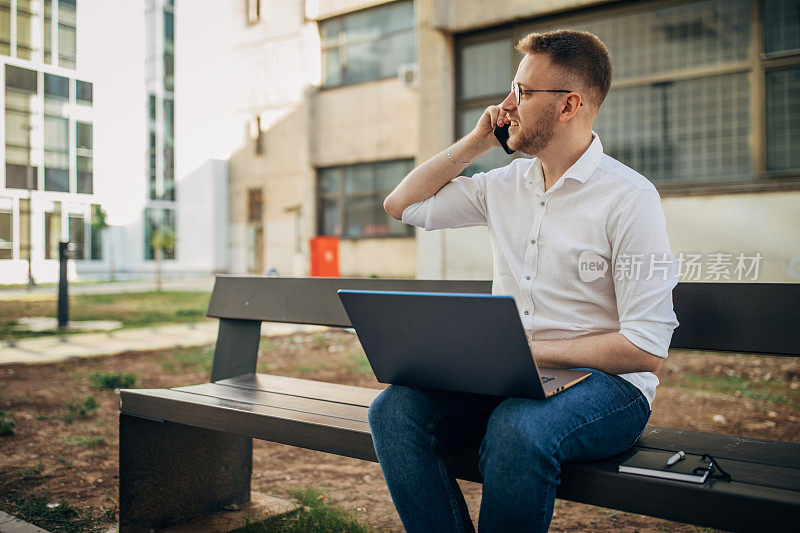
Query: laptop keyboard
(545, 379)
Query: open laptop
(459, 342)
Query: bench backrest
(736, 317)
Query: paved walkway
(56, 348)
(51, 291)
(11, 524)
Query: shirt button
(527, 312)
(528, 277)
(541, 203)
(533, 241)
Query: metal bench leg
(170, 473)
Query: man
(550, 219)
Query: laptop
(450, 341)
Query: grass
(316, 515)
(112, 380)
(80, 408)
(7, 423)
(55, 517)
(132, 309)
(87, 441)
(773, 391)
(32, 472)
(195, 359)
(359, 362)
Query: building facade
(48, 192)
(705, 103)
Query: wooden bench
(187, 452)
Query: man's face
(534, 120)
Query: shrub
(80, 407)
(6, 423)
(112, 380)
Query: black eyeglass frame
(519, 91)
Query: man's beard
(533, 138)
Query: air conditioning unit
(408, 75)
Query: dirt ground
(74, 458)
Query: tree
(163, 239)
(99, 224)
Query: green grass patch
(316, 515)
(133, 309)
(774, 391)
(64, 464)
(268, 345)
(80, 408)
(32, 472)
(7, 423)
(359, 363)
(55, 517)
(87, 441)
(112, 380)
(195, 359)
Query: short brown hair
(579, 53)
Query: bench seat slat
(281, 401)
(758, 451)
(315, 432)
(306, 388)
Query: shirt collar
(583, 168)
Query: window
(56, 153)
(351, 199)
(77, 236)
(680, 110)
(169, 51)
(83, 92)
(368, 45)
(52, 230)
(97, 226)
(21, 87)
(5, 27)
(253, 11)
(158, 219)
(254, 205)
(83, 137)
(169, 150)
(24, 228)
(56, 87)
(24, 19)
(66, 33)
(6, 229)
(48, 31)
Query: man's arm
(426, 180)
(610, 352)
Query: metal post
(63, 292)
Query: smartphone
(501, 133)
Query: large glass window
(368, 45)
(24, 228)
(5, 27)
(48, 31)
(351, 199)
(156, 218)
(21, 87)
(169, 150)
(83, 137)
(52, 230)
(24, 19)
(680, 110)
(97, 226)
(83, 92)
(56, 88)
(56, 153)
(151, 148)
(6, 229)
(66, 33)
(77, 236)
(169, 51)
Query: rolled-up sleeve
(645, 272)
(460, 203)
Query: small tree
(99, 224)
(163, 239)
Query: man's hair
(580, 54)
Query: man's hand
(483, 133)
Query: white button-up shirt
(589, 255)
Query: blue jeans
(522, 445)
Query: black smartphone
(501, 133)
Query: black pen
(675, 458)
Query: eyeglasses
(518, 91)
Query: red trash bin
(325, 257)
